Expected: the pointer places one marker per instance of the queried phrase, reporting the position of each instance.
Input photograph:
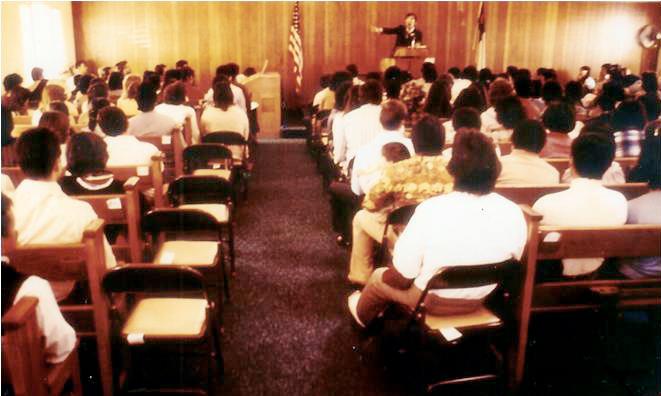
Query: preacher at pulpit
(407, 34)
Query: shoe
(342, 241)
(352, 302)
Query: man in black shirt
(407, 34)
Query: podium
(406, 58)
(265, 89)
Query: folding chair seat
(161, 310)
(241, 156)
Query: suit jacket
(403, 38)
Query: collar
(523, 153)
(585, 183)
(96, 182)
(123, 136)
(39, 187)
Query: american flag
(481, 38)
(296, 47)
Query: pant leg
(344, 203)
(367, 229)
(377, 295)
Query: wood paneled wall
(532, 34)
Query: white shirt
(459, 85)
(127, 150)
(319, 96)
(233, 119)
(523, 167)
(180, 113)
(360, 127)
(239, 97)
(586, 203)
(7, 186)
(489, 120)
(369, 160)
(459, 229)
(59, 336)
(339, 140)
(150, 124)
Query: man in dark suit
(407, 34)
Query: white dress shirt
(369, 160)
(459, 85)
(233, 119)
(523, 167)
(339, 140)
(489, 120)
(586, 203)
(180, 113)
(151, 124)
(360, 127)
(319, 96)
(459, 229)
(127, 150)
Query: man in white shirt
(463, 81)
(369, 161)
(586, 203)
(43, 213)
(123, 149)
(362, 124)
(469, 226)
(149, 123)
(524, 165)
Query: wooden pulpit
(265, 89)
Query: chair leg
(226, 286)
(230, 237)
(75, 374)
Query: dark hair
(324, 80)
(352, 69)
(392, 88)
(470, 97)
(395, 152)
(499, 90)
(428, 136)
(529, 135)
(59, 107)
(606, 103)
(485, 76)
(338, 78)
(373, 75)
(181, 63)
(410, 14)
(648, 168)
(87, 153)
(57, 122)
(371, 92)
(55, 93)
(523, 86)
(222, 95)
(474, 164)
(592, 155)
(113, 121)
(652, 105)
(454, 71)
(551, 90)
(469, 73)
(171, 76)
(586, 68)
(429, 73)
(232, 69)
(511, 70)
(98, 90)
(466, 117)
(599, 127)
(146, 97)
(37, 73)
(549, 74)
(12, 81)
(392, 73)
(97, 105)
(573, 92)
(115, 81)
(38, 151)
(105, 73)
(249, 71)
(222, 70)
(160, 69)
(187, 73)
(175, 93)
(438, 99)
(510, 112)
(559, 117)
(629, 80)
(630, 114)
(6, 220)
(393, 113)
(650, 82)
(353, 99)
(341, 95)
(84, 83)
(614, 90)
(151, 78)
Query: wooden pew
(562, 164)
(149, 177)
(121, 209)
(82, 262)
(529, 194)
(23, 356)
(554, 243)
(172, 147)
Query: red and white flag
(296, 47)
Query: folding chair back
(206, 156)
(149, 278)
(232, 140)
(178, 221)
(200, 190)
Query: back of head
(113, 121)
(392, 88)
(499, 90)
(146, 97)
(371, 92)
(12, 81)
(551, 91)
(233, 70)
(469, 73)
(87, 153)
(429, 73)
(485, 76)
(99, 90)
(470, 97)
(428, 136)
(592, 155)
(509, 112)
(187, 74)
(37, 73)
(222, 95)
(393, 113)
(115, 81)
(59, 107)
(559, 117)
(392, 73)
(38, 152)
(438, 99)
(474, 164)
(97, 105)
(353, 99)
(523, 86)
(57, 122)
(152, 78)
(172, 75)
(341, 95)
(373, 75)
(324, 80)
(54, 93)
(160, 69)
(512, 70)
(338, 78)
(249, 71)
(573, 92)
(181, 63)
(84, 83)
(529, 135)
(630, 114)
(454, 72)
(395, 152)
(614, 90)
(649, 162)
(175, 93)
(352, 69)
(466, 117)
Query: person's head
(52, 93)
(474, 164)
(353, 98)
(222, 95)
(469, 73)
(652, 106)
(559, 117)
(584, 71)
(429, 73)
(650, 82)
(175, 93)
(115, 81)
(131, 84)
(509, 112)
(57, 122)
(352, 69)
(338, 78)
(8, 234)
(392, 88)
(38, 151)
(485, 76)
(523, 86)
(146, 97)
(395, 152)
(428, 136)
(113, 121)
(393, 113)
(152, 78)
(614, 90)
(98, 90)
(630, 114)
(181, 63)
(392, 73)
(592, 155)
(171, 76)
(324, 80)
(511, 71)
(59, 107)
(649, 162)
(371, 92)
(548, 75)
(438, 99)
(97, 105)
(249, 71)
(37, 74)
(410, 20)
(341, 95)
(551, 91)
(454, 71)
(232, 70)
(86, 154)
(373, 75)
(499, 90)
(466, 118)
(573, 92)
(81, 67)
(12, 81)
(470, 97)
(160, 69)
(529, 135)
(105, 73)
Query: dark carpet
(287, 330)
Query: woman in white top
(224, 115)
(127, 101)
(174, 107)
